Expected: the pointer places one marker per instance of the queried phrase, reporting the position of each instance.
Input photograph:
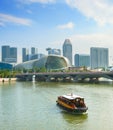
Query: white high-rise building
(99, 57)
(67, 50)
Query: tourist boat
(72, 103)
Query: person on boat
(77, 103)
(82, 103)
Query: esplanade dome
(50, 62)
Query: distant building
(9, 54)
(53, 51)
(99, 57)
(40, 55)
(82, 60)
(13, 54)
(34, 54)
(4, 65)
(24, 54)
(34, 51)
(5, 52)
(67, 49)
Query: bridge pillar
(33, 78)
(94, 80)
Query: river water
(32, 106)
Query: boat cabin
(73, 99)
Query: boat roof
(71, 96)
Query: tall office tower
(67, 49)
(34, 53)
(5, 53)
(82, 60)
(34, 50)
(13, 54)
(99, 57)
(24, 54)
(9, 55)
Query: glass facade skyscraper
(9, 54)
(67, 50)
(99, 57)
(34, 51)
(24, 54)
(82, 60)
(13, 54)
(5, 53)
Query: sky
(47, 23)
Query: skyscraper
(24, 54)
(5, 53)
(13, 53)
(34, 50)
(67, 50)
(82, 60)
(9, 54)
(98, 57)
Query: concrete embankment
(7, 79)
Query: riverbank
(7, 79)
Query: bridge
(65, 76)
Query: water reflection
(34, 85)
(74, 118)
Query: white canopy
(71, 96)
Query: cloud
(69, 25)
(82, 42)
(99, 10)
(43, 1)
(29, 11)
(37, 1)
(6, 18)
(1, 24)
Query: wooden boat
(72, 103)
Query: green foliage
(8, 73)
(43, 69)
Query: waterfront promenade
(7, 79)
(65, 76)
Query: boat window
(77, 99)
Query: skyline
(47, 23)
